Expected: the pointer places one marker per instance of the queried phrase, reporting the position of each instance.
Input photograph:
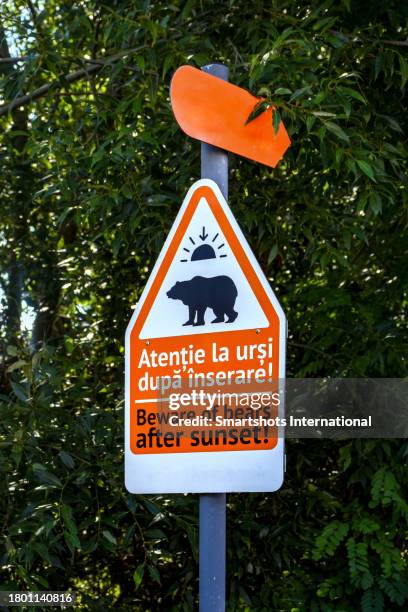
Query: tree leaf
(138, 575)
(272, 253)
(366, 168)
(353, 93)
(323, 114)
(45, 476)
(281, 91)
(154, 573)
(66, 459)
(109, 536)
(19, 391)
(276, 120)
(337, 130)
(258, 109)
(16, 365)
(404, 71)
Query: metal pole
(214, 161)
(214, 165)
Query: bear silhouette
(200, 293)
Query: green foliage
(93, 170)
(328, 541)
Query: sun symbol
(208, 249)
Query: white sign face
(222, 262)
(206, 340)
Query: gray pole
(214, 161)
(214, 165)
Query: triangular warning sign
(205, 255)
(206, 313)
(205, 288)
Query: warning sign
(205, 362)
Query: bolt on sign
(205, 362)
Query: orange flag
(216, 111)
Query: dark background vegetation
(93, 169)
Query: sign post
(212, 519)
(205, 347)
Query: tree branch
(349, 38)
(396, 43)
(14, 60)
(312, 348)
(93, 66)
